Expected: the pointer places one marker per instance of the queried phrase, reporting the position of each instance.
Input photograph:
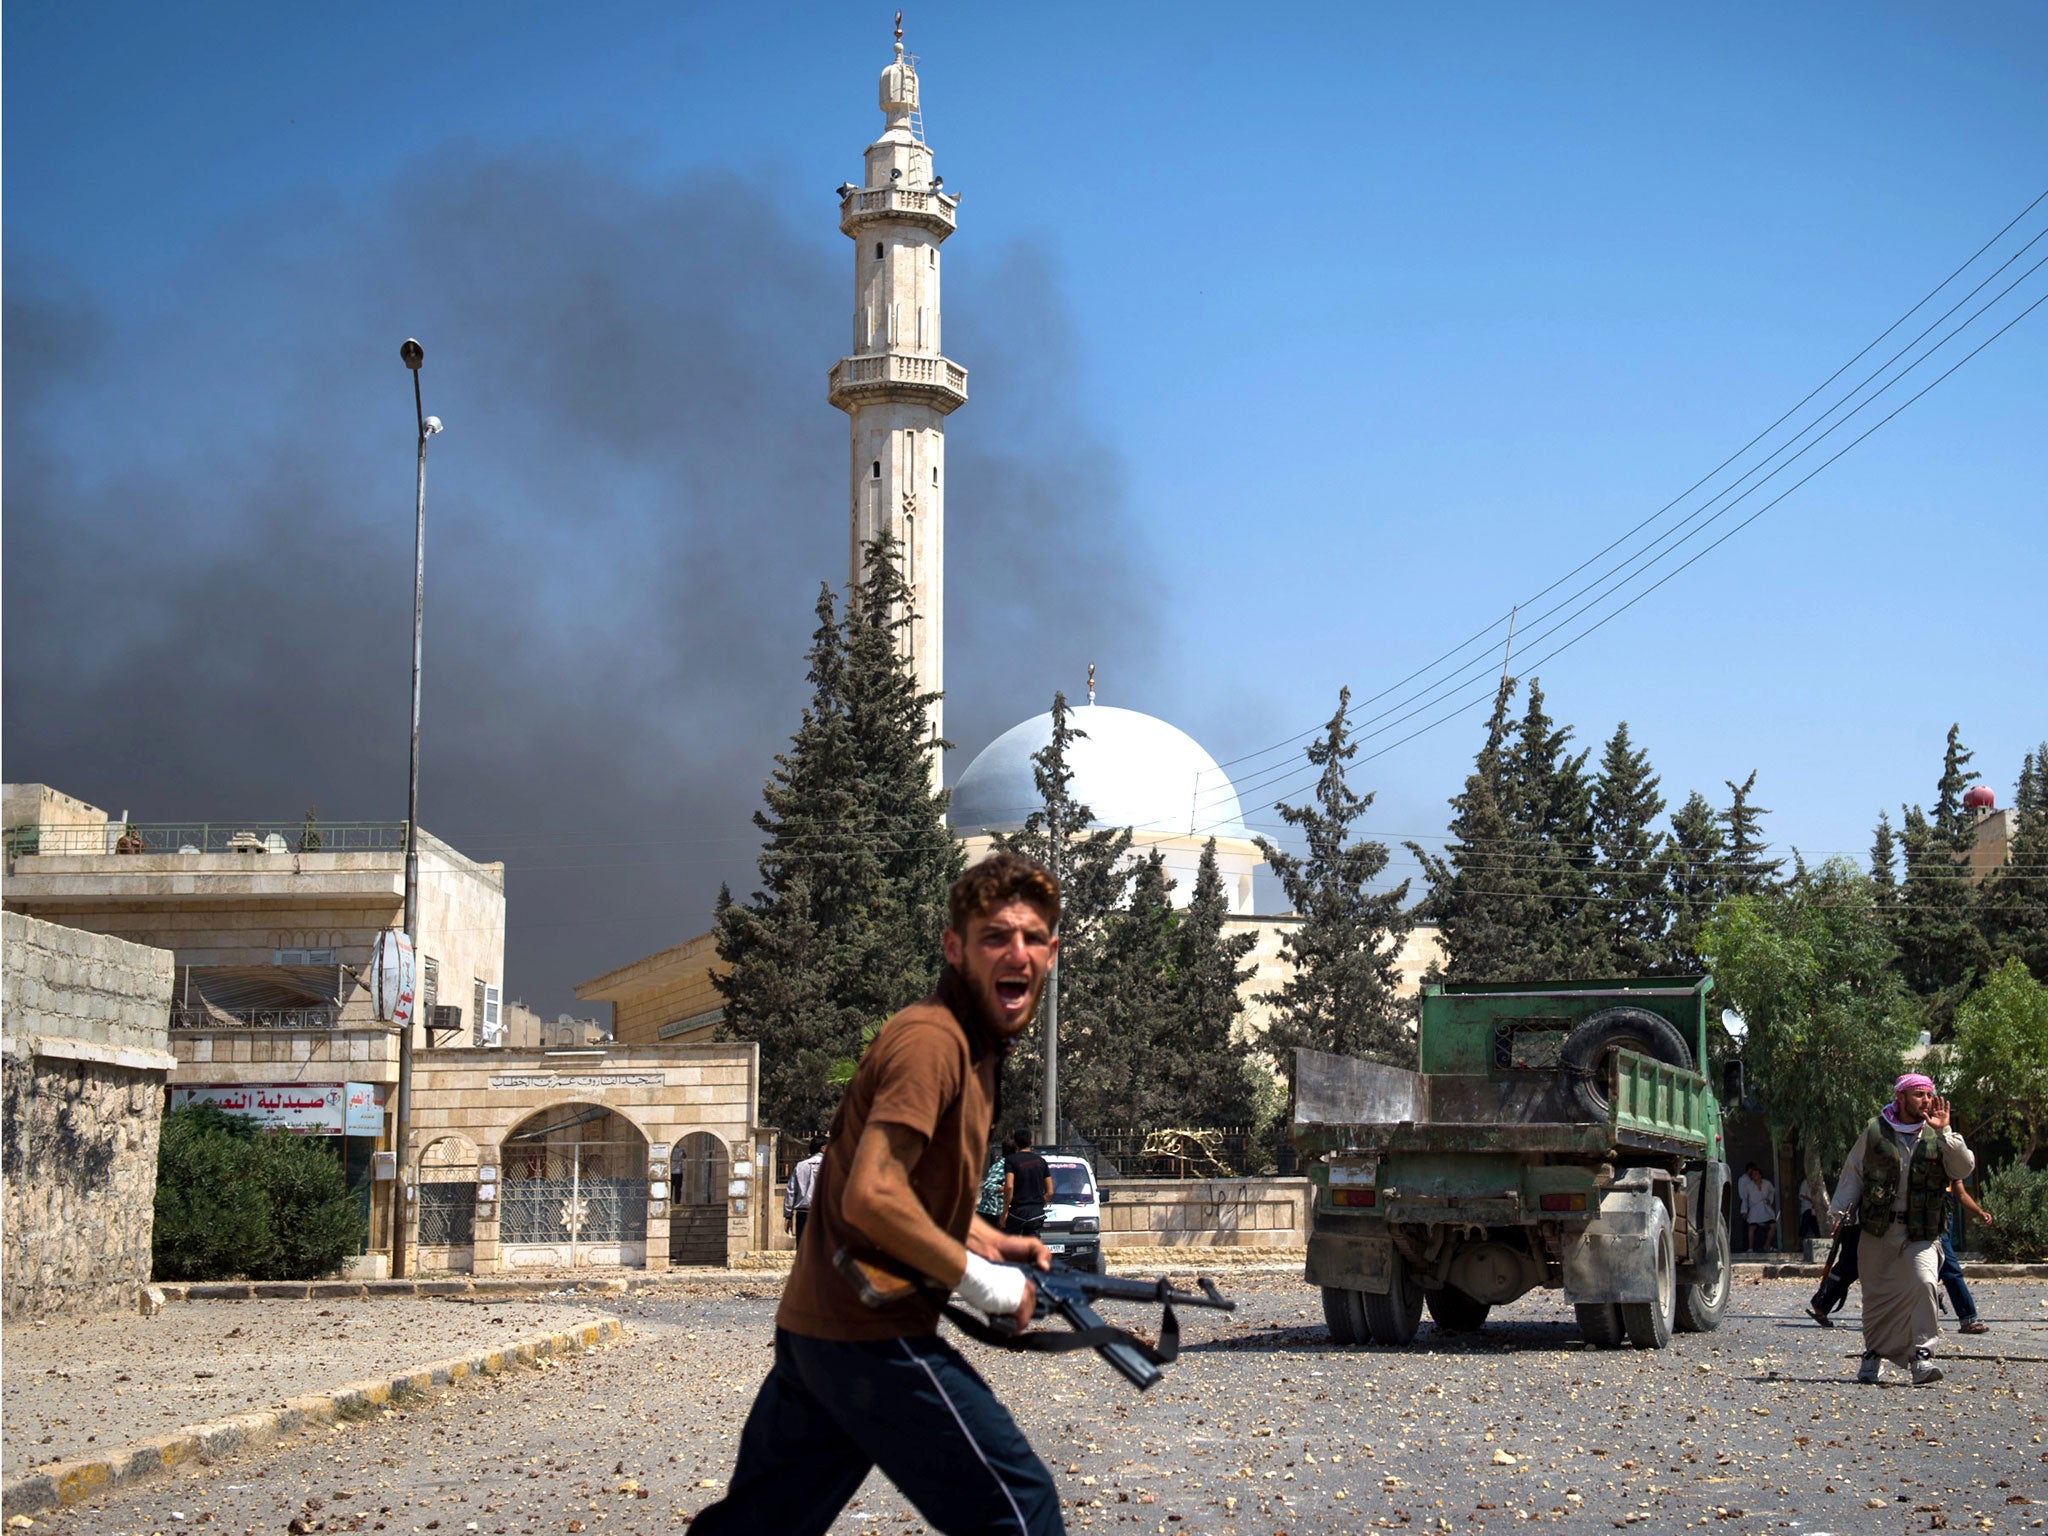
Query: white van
(1073, 1217)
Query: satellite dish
(1735, 1024)
(391, 974)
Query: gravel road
(1261, 1427)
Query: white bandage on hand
(996, 1290)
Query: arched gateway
(575, 1189)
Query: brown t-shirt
(919, 1073)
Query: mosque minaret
(896, 386)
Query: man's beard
(981, 990)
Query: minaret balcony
(937, 381)
(872, 205)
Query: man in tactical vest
(1898, 1176)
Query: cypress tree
(1695, 878)
(1090, 864)
(855, 861)
(1630, 902)
(1344, 995)
(1748, 872)
(1942, 948)
(2015, 898)
(1207, 1064)
(1480, 888)
(1117, 1022)
(1553, 808)
(1884, 867)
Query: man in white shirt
(796, 1194)
(1759, 1198)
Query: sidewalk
(91, 1402)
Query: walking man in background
(1898, 1176)
(1759, 1198)
(1952, 1281)
(857, 1385)
(796, 1194)
(1813, 1204)
(1027, 1188)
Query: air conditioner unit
(447, 1018)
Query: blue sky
(1317, 337)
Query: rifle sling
(1050, 1342)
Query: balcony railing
(183, 1017)
(209, 837)
(862, 204)
(942, 376)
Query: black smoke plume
(208, 526)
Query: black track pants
(829, 1412)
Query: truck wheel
(1649, 1322)
(1343, 1311)
(1702, 1305)
(1454, 1311)
(1394, 1317)
(1600, 1323)
(1585, 1064)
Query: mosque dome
(1130, 769)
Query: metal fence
(448, 1213)
(256, 1018)
(587, 1210)
(209, 837)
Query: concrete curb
(76, 1479)
(360, 1290)
(1970, 1271)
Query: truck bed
(1343, 1103)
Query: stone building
(633, 1156)
(84, 1053)
(271, 928)
(668, 996)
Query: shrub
(231, 1200)
(212, 1218)
(2017, 1198)
(315, 1220)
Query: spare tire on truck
(1585, 1067)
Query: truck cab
(1556, 1136)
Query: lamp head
(412, 354)
(431, 425)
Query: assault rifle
(1065, 1293)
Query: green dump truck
(1557, 1135)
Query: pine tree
(1942, 949)
(855, 864)
(1090, 864)
(1630, 901)
(1695, 878)
(1481, 887)
(2015, 899)
(1553, 808)
(1749, 873)
(1207, 1064)
(1344, 994)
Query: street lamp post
(412, 354)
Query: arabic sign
(308, 1109)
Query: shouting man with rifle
(857, 1385)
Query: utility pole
(412, 354)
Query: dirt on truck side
(1555, 1136)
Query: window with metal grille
(302, 957)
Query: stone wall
(1205, 1213)
(87, 1021)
